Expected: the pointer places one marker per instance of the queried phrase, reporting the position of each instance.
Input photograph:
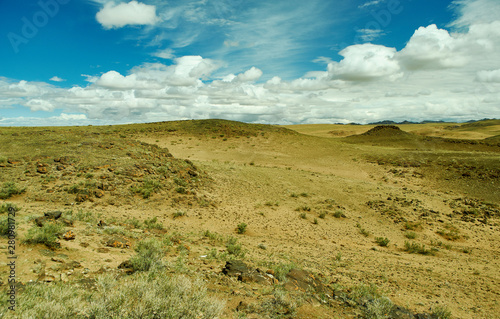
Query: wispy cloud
(370, 4)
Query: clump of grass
(181, 190)
(9, 189)
(153, 223)
(212, 236)
(410, 235)
(451, 233)
(134, 222)
(148, 188)
(178, 214)
(241, 228)
(4, 226)
(234, 248)
(115, 230)
(304, 194)
(439, 243)
(149, 254)
(441, 312)
(303, 215)
(144, 295)
(303, 209)
(315, 222)
(339, 214)
(322, 215)
(362, 231)
(6, 206)
(415, 248)
(48, 235)
(412, 225)
(381, 241)
(282, 269)
(294, 195)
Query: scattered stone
(81, 198)
(303, 280)
(99, 193)
(46, 278)
(53, 215)
(127, 267)
(42, 170)
(118, 242)
(69, 235)
(57, 260)
(235, 268)
(102, 250)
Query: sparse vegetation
(9, 189)
(410, 235)
(339, 214)
(381, 241)
(153, 223)
(48, 235)
(241, 228)
(5, 208)
(149, 254)
(362, 231)
(415, 248)
(178, 214)
(166, 296)
(148, 188)
(234, 248)
(441, 312)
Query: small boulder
(69, 235)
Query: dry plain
(378, 216)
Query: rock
(46, 278)
(102, 250)
(69, 235)
(242, 306)
(99, 193)
(42, 170)
(127, 267)
(235, 268)
(53, 215)
(57, 260)
(81, 197)
(118, 242)
(303, 280)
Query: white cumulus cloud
(433, 48)
(133, 13)
(365, 62)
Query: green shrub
(153, 223)
(9, 189)
(242, 228)
(150, 251)
(148, 188)
(4, 226)
(48, 235)
(410, 235)
(441, 312)
(322, 215)
(178, 213)
(5, 208)
(303, 215)
(233, 248)
(339, 214)
(143, 295)
(381, 241)
(415, 248)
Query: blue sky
(68, 62)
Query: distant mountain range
(388, 122)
